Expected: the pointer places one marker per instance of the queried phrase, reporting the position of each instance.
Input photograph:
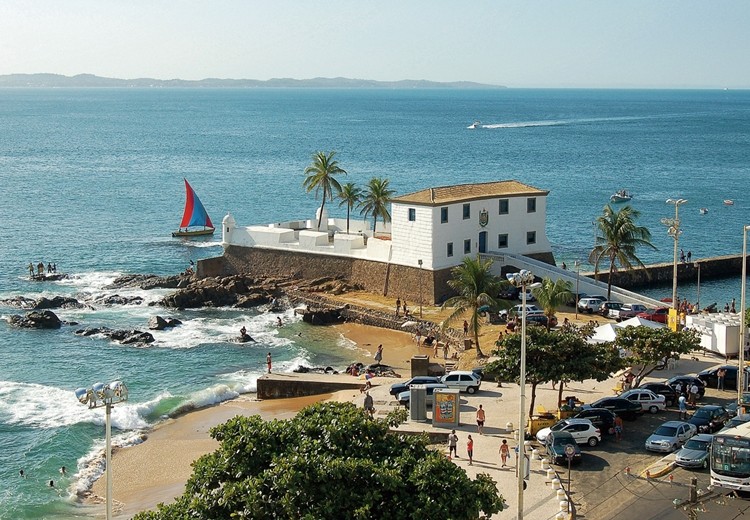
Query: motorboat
(704, 211)
(728, 202)
(474, 125)
(621, 196)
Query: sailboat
(195, 215)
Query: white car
(529, 296)
(464, 380)
(649, 401)
(591, 304)
(516, 310)
(582, 430)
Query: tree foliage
(646, 348)
(475, 285)
(320, 177)
(328, 462)
(617, 240)
(552, 295)
(350, 195)
(375, 201)
(551, 356)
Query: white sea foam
(526, 124)
(40, 406)
(216, 243)
(92, 465)
(91, 280)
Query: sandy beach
(156, 470)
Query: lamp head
(98, 390)
(82, 394)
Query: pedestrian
(398, 306)
(470, 450)
(435, 350)
(406, 311)
(418, 335)
(564, 266)
(31, 270)
(40, 268)
(445, 350)
(689, 256)
(678, 388)
(683, 407)
(466, 328)
(733, 309)
(268, 362)
(693, 396)
(49, 267)
(618, 427)
(369, 405)
(682, 256)
(379, 354)
(480, 420)
(720, 378)
(504, 452)
(278, 321)
(452, 443)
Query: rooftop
(467, 192)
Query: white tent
(602, 333)
(636, 321)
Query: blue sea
(92, 180)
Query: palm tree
(617, 239)
(349, 195)
(552, 295)
(376, 200)
(320, 177)
(474, 284)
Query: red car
(661, 314)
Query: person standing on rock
(379, 354)
(398, 306)
(31, 270)
(268, 362)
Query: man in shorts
(480, 420)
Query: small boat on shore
(621, 196)
(194, 216)
(728, 202)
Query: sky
(518, 43)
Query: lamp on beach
(741, 356)
(420, 287)
(673, 230)
(523, 279)
(105, 395)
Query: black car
(397, 388)
(509, 293)
(600, 417)
(686, 382)
(623, 407)
(709, 418)
(609, 306)
(664, 389)
(711, 379)
(555, 444)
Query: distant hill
(91, 81)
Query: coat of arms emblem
(484, 217)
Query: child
(504, 452)
(470, 450)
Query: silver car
(694, 454)
(670, 436)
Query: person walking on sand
(398, 306)
(480, 420)
(452, 444)
(470, 450)
(268, 362)
(504, 452)
(466, 328)
(618, 427)
(379, 354)
(435, 350)
(418, 335)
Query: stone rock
(58, 302)
(19, 301)
(49, 277)
(36, 320)
(159, 323)
(315, 370)
(116, 299)
(323, 317)
(125, 337)
(147, 281)
(252, 300)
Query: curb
(659, 473)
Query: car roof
(461, 372)
(674, 424)
(710, 407)
(577, 420)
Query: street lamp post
(522, 279)
(741, 386)
(673, 229)
(420, 287)
(105, 395)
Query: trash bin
(418, 402)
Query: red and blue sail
(195, 214)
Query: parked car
(509, 293)
(404, 398)
(686, 382)
(541, 319)
(575, 297)
(664, 389)
(555, 444)
(600, 417)
(608, 309)
(709, 418)
(694, 454)
(516, 310)
(648, 400)
(630, 310)
(582, 430)
(619, 406)
(464, 380)
(397, 388)
(590, 304)
(735, 421)
(529, 296)
(670, 436)
(711, 379)
(659, 315)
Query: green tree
(475, 284)
(320, 177)
(349, 195)
(552, 295)
(646, 348)
(617, 240)
(329, 462)
(376, 199)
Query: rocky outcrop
(125, 337)
(49, 277)
(116, 299)
(150, 281)
(302, 369)
(231, 291)
(159, 323)
(323, 316)
(36, 320)
(58, 302)
(19, 301)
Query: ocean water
(92, 181)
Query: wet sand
(156, 470)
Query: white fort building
(431, 231)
